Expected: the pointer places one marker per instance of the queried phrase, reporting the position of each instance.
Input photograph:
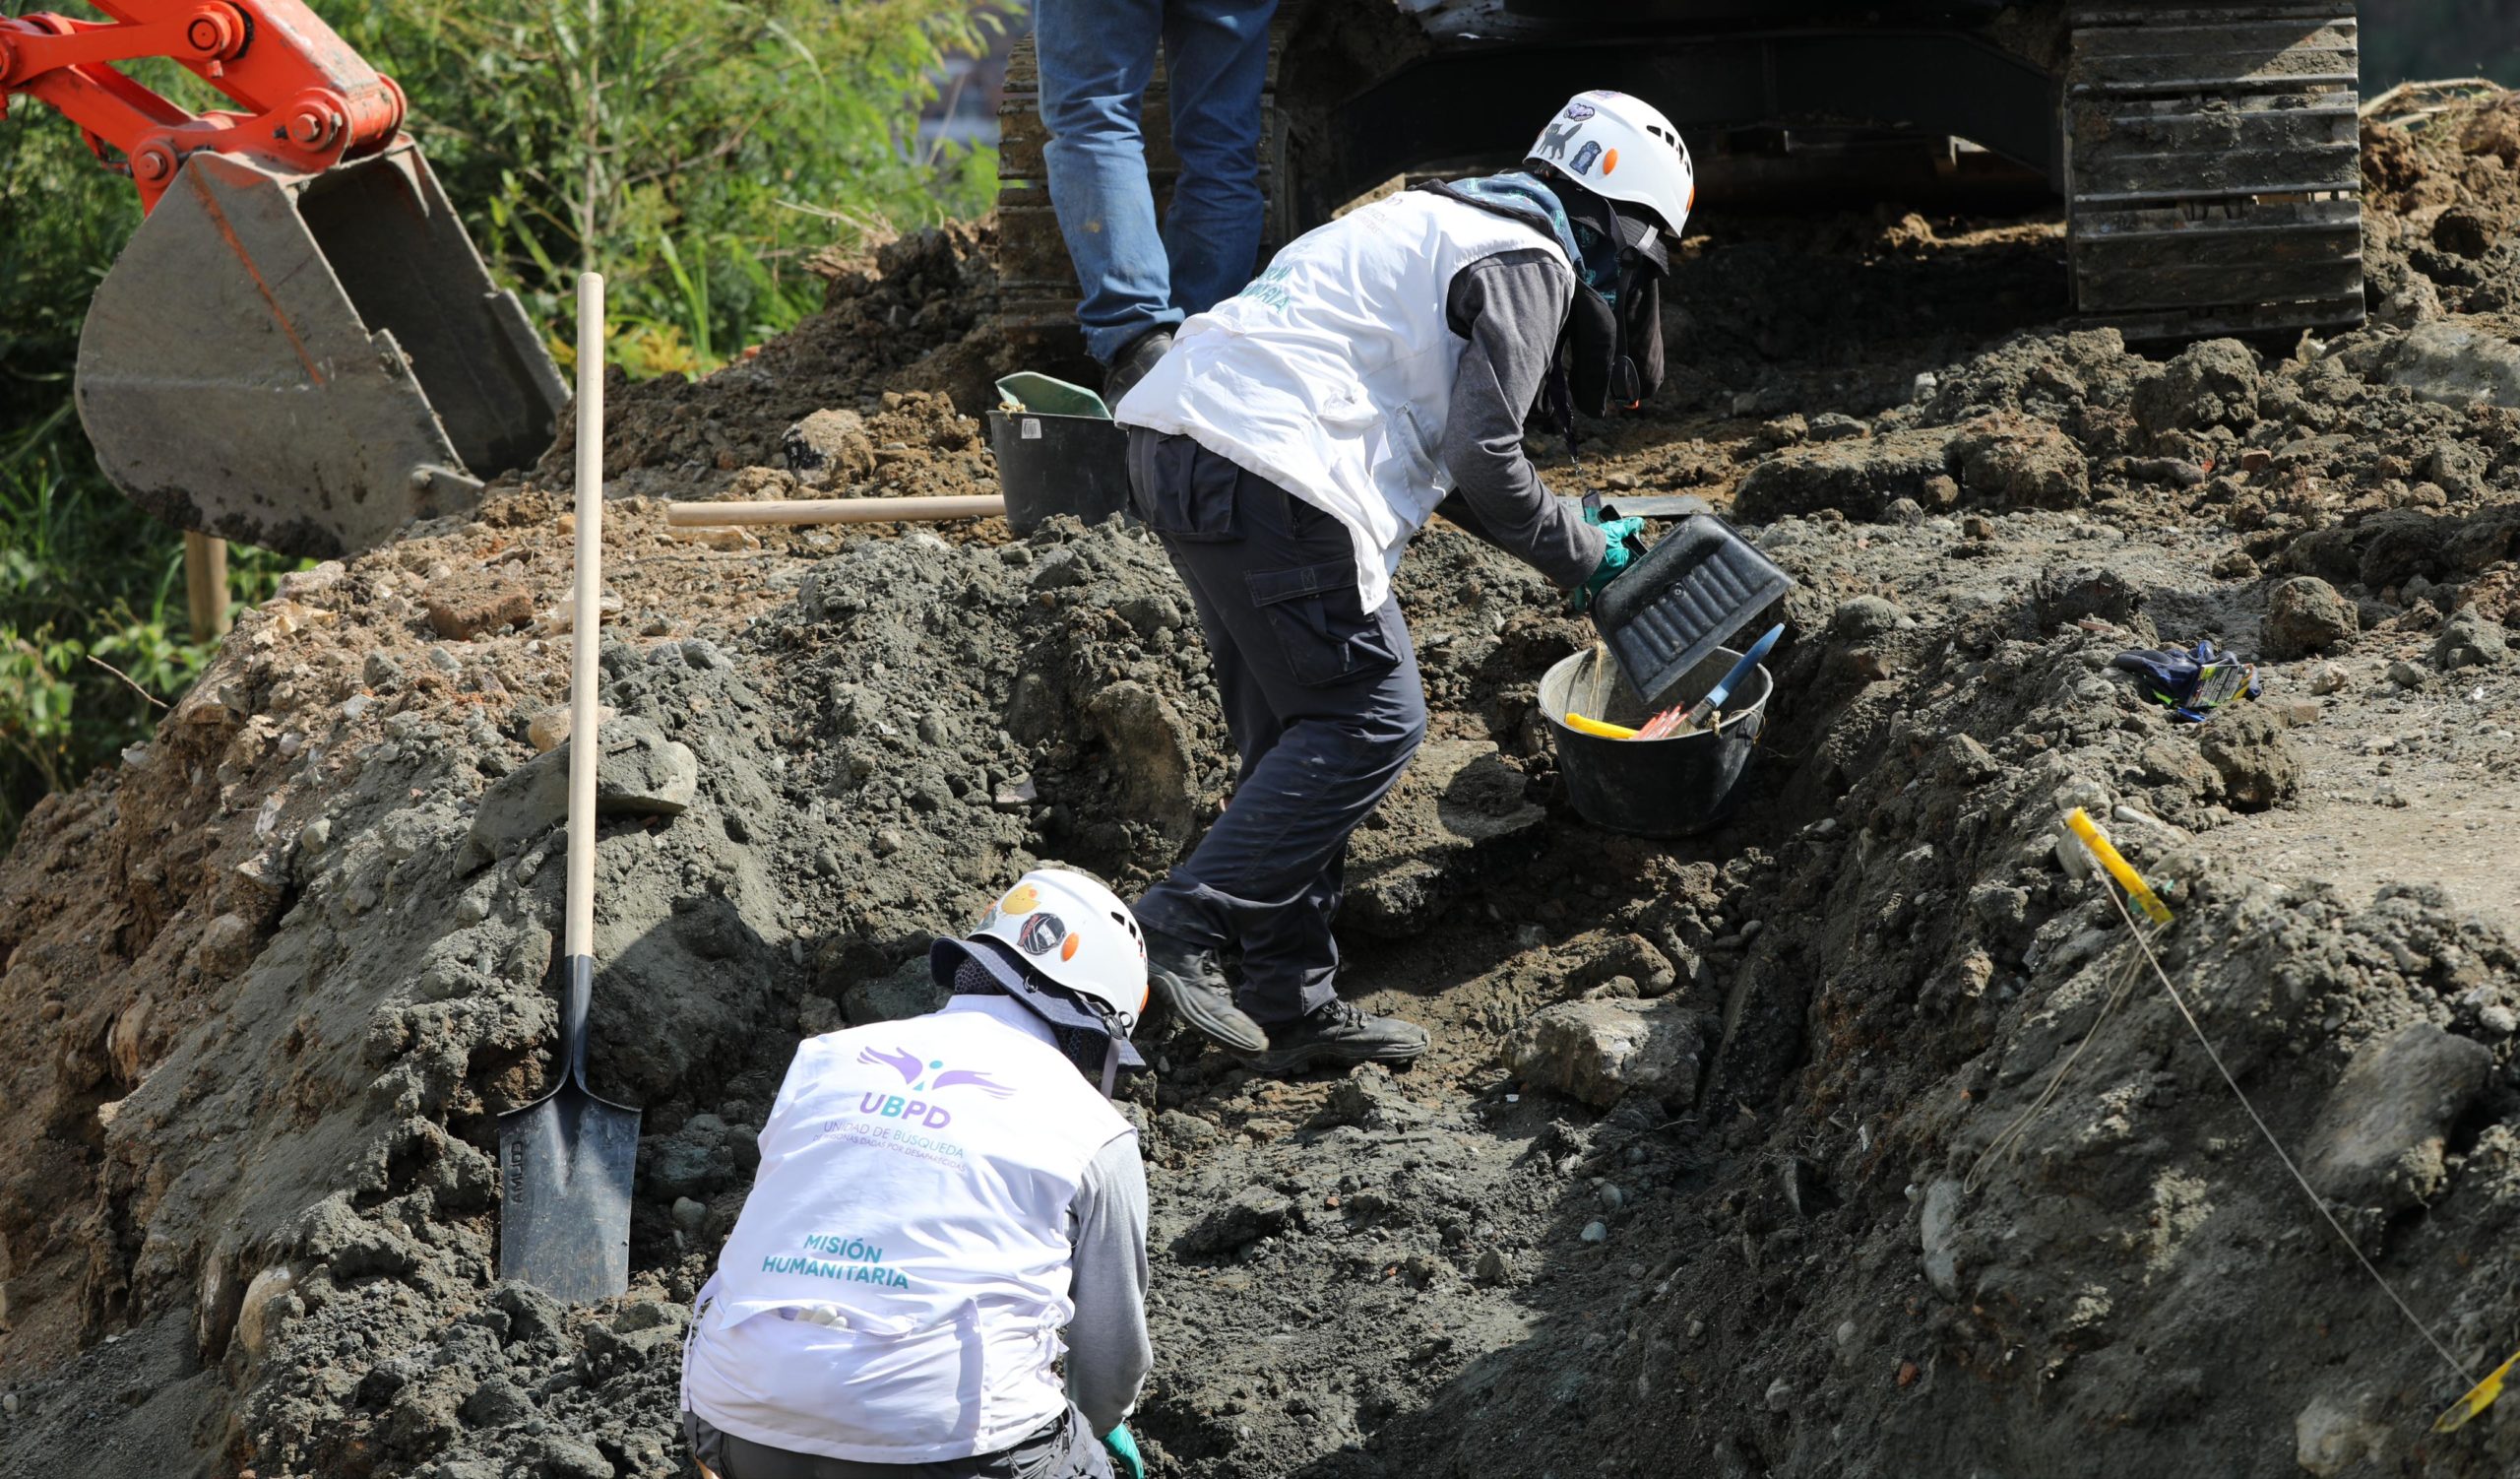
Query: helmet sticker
(1554, 140)
(1022, 898)
(1041, 934)
(1579, 112)
(1068, 951)
(1584, 156)
(1610, 162)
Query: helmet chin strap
(1111, 1066)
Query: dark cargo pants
(1061, 1450)
(1324, 702)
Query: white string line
(2007, 1145)
(2465, 1375)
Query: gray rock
(2379, 1143)
(689, 1214)
(2469, 640)
(1255, 1212)
(2408, 675)
(2335, 1434)
(1600, 1051)
(496, 1403)
(2209, 384)
(2455, 364)
(1864, 617)
(1370, 1100)
(911, 991)
(2304, 614)
(1834, 426)
(382, 670)
(2060, 596)
(571, 1456)
(642, 773)
(1150, 744)
(1595, 1232)
(2258, 766)
(828, 447)
(1937, 1236)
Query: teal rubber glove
(1127, 1461)
(1615, 556)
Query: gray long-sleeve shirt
(1107, 1351)
(1511, 308)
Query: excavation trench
(1840, 1139)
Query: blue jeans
(1324, 702)
(1097, 57)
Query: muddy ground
(1907, 1166)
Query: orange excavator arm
(309, 101)
(299, 347)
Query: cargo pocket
(1182, 489)
(1321, 623)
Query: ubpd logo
(905, 1109)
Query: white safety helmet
(1078, 935)
(1623, 148)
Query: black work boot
(1130, 365)
(1191, 981)
(1339, 1034)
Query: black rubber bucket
(1651, 787)
(1059, 464)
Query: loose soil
(1936, 1181)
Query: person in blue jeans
(1139, 281)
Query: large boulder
(2378, 1143)
(1602, 1050)
(2304, 614)
(2457, 362)
(641, 773)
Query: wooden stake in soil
(928, 510)
(206, 584)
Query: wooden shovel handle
(586, 640)
(927, 511)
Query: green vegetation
(707, 148)
(2411, 39)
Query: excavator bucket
(305, 361)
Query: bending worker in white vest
(945, 1208)
(1287, 449)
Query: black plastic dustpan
(1681, 600)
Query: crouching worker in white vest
(1288, 448)
(945, 1208)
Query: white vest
(894, 1288)
(1332, 374)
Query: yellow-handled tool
(1601, 728)
(2479, 1399)
(2080, 823)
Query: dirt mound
(1851, 1138)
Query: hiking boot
(1130, 365)
(1191, 981)
(1338, 1034)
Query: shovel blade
(306, 361)
(566, 1164)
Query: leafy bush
(705, 147)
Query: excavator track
(2212, 168)
(1036, 282)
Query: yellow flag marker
(1600, 726)
(2479, 1399)
(2082, 826)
